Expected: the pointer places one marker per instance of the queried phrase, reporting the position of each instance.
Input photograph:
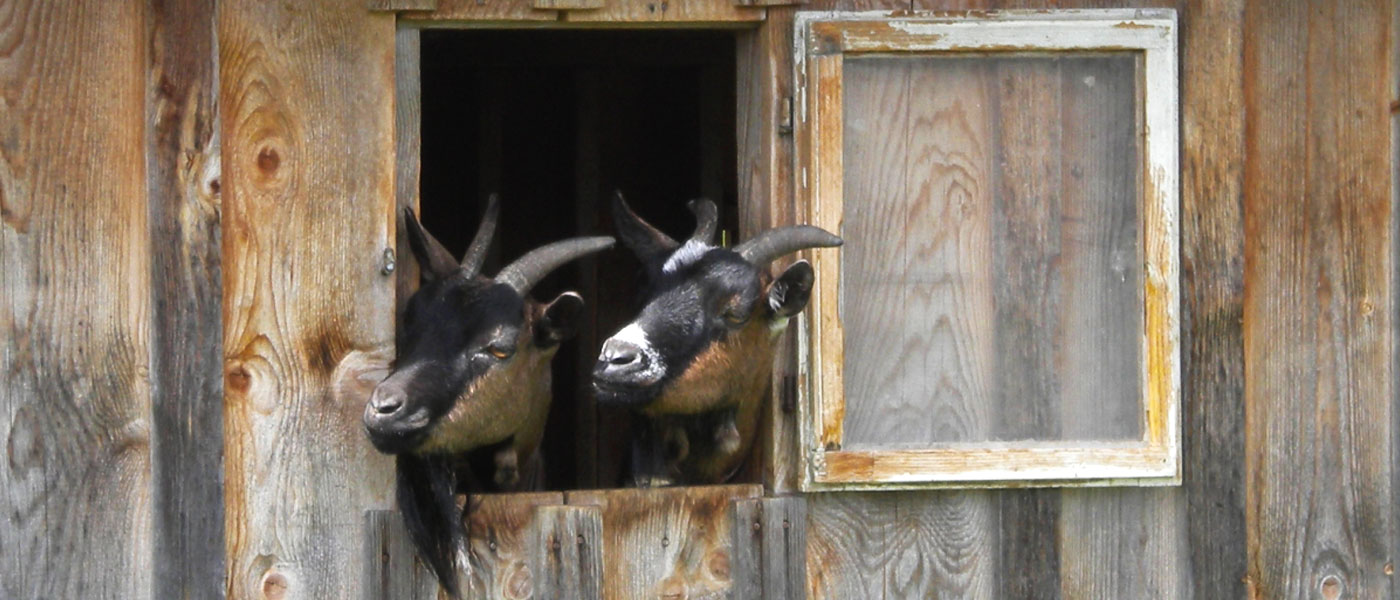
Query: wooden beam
(401, 5)
(186, 376)
(568, 4)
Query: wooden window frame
(822, 40)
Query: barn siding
(1287, 203)
(187, 384)
(1317, 325)
(306, 90)
(75, 504)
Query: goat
(471, 376)
(696, 362)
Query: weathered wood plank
(784, 547)
(764, 176)
(186, 371)
(307, 128)
(75, 305)
(665, 11)
(566, 557)
(501, 532)
(568, 4)
(1317, 333)
(475, 10)
(675, 540)
(408, 148)
(746, 548)
(400, 5)
(847, 544)
(392, 568)
(1212, 230)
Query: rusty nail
(757, 526)
(580, 539)
(665, 541)
(787, 524)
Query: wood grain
(667, 11)
(75, 310)
(502, 534)
(408, 149)
(464, 11)
(182, 171)
(392, 569)
(308, 132)
(1318, 335)
(675, 540)
(567, 555)
(1212, 248)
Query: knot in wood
(1332, 587)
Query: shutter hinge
(785, 116)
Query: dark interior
(555, 121)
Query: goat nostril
(623, 359)
(387, 406)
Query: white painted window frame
(822, 40)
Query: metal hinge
(785, 116)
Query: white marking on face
(689, 253)
(634, 335)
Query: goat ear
(645, 241)
(434, 260)
(560, 320)
(789, 294)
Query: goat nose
(386, 403)
(620, 357)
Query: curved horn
(481, 243)
(647, 242)
(528, 270)
(771, 244)
(706, 220)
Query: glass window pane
(992, 273)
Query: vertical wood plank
(566, 558)
(764, 151)
(746, 548)
(784, 557)
(848, 546)
(675, 540)
(75, 305)
(408, 148)
(1212, 229)
(1318, 336)
(308, 134)
(182, 171)
(392, 569)
(501, 536)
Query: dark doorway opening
(554, 122)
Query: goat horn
(647, 242)
(769, 245)
(706, 220)
(481, 243)
(434, 260)
(528, 270)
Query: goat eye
(500, 352)
(734, 318)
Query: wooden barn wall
(1286, 219)
(141, 287)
